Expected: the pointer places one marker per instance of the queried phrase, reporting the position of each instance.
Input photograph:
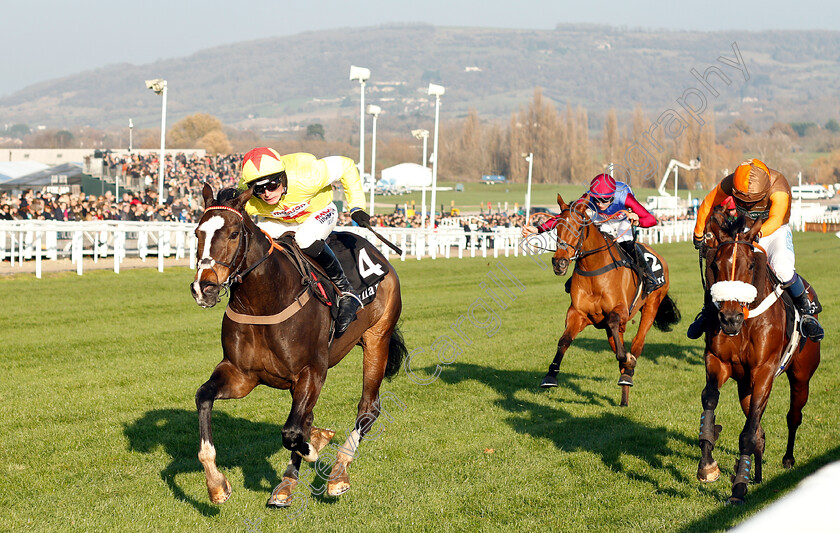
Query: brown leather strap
(265, 320)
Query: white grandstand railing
(27, 240)
(44, 240)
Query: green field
(98, 430)
(476, 195)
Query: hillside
(273, 83)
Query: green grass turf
(98, 430)
(476, 195)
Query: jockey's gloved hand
(698, 241)
(359, 216)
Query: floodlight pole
(159, 87)
(361, 74)
(130, 136)
(530, 159)
(437, 91)
(162, 146)
(423, 134)
(374, 111)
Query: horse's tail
(667, 315)
(396, 353)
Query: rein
(236, 275)
(768, 300)
(579, 254)
(239, 271)
(766, 303)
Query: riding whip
(383, 239)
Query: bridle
(235, 266)
(717, 249)
(582, 234)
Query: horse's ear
(560, 202)
(207, 193)
(242, 198)
(752, 233)
(715, 225)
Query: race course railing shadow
(569, 432)
(763, 494)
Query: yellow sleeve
(712, 199)
(344, 169)
(778, 208)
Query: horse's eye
(234, 235)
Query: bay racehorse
(749, 342)
(604, 294)
(284, 340)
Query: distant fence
(28, 240)
(22, 242)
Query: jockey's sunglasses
(604, 200)
(269, 186)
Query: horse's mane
(735, 226)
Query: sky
(42, 40)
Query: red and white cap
(602, 186)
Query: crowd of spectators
(185, 175)
(42, 205)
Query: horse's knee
(205, 394)
(292, 437)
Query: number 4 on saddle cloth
(361, 261)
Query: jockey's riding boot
(638, 264)
(698, 327)
(349, 302)
(808, 325)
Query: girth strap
(264, 320)
(597, 271)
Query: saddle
(357, 257)
(312, 275)
(621, 260)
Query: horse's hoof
(339, 481)
(282, 495)
(788, 462)
(709, 474)
(220, 494)
(625, 380)
(338, 488)
(548, 382)
(735, 501)
(320, 437)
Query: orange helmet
(751, 181)
(259, 163)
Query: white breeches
(619, 228)
(316, 227)
(779, 247)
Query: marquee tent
(410, 175)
